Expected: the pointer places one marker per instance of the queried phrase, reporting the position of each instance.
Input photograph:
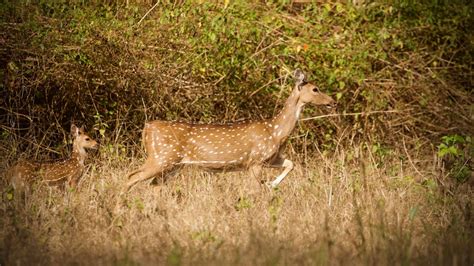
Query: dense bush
(397, 68)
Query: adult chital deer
(59, 172)
(239, 146)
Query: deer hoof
(271, 185)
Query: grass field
(343, 208)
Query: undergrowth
(111, 67)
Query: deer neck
(78, 153)
(284, 123)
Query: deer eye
(315, 90)
(87, 139)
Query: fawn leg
(19, 176)
(74, 180)
(281, 163)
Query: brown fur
(240, 146)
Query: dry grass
(344, 208)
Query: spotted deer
(238, 146)
(58, 172)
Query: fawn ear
(74, 130)
(81, 130)
(299, 77)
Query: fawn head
(309, 93)
(81, 139)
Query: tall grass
(335, 209)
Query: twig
(352, 114)
(17, 114)
(294, 19)
(148, 12)
(265, 37)
(397, 66)
(277, 42)
(31, 142)
(409, 158)
(219, 80)
(190, 84)
(266, 84)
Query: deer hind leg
(281, 163)
(150, 169)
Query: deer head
(81, 140)
(309, 93)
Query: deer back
(61, 171)
(214, 146)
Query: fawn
(59, 172)
(238, 146)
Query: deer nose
(331, 105)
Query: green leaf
(212, 36)
(453, 150)
(342, 84)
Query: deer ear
(74, 130)
(299, 77)
(81, 130)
